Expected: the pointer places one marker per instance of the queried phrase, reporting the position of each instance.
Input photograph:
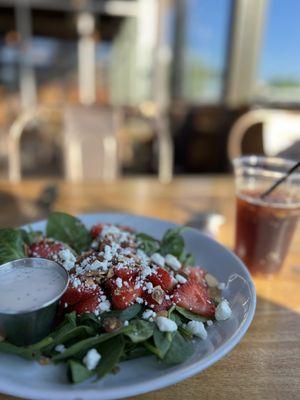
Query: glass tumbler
(265, 225)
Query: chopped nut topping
(112, 324)
(211, 280)
(158, 294)
(44, 361)
(163, 313)
(215, 294)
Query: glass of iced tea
(265, 225)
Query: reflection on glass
(207, 28)
(279, 74)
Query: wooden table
(266, 364)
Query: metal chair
(91, 143)
(281, 129)
(16, 131)
(88, 141)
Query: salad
(130, 295)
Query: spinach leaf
(69, 230)
(140, 330)
(84, 345)
(11, 245)
(185, 332)
(30, 236)
(24, 352)
(180, 350)
(172, 242)
(151, 348)
(79, 332)
(136, 351)
(111, 352)
(47, 341)
(171, 310)
(190, 315)
(162, 342)
(187, 259)
(77, 372)
(130, 312)
(68, 323)
(124, 315)
(176, 318)
(147, 243)
(89, 319)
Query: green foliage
(12, 245)
(69, 230)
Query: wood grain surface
(266, 364)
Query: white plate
(30, 380)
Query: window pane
(207, 28)
(279, 73)
(55, 64)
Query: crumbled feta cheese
(146, 270)
(119, 282)
(139, 300)
(104, 265)
(137, 285)
(104, 306)
(95, 265)
(166, 324)
(173, 262)
(110, 230)
(223, 311)
(76, 282)
(221, 286)
(60, 348)
(107, 253)
(197, 329)
(142, 255)
(67, 258)
(94, 244)
(126, 323)
(91, 359)
(179, 278)
(149, 287)
(209, 322)
(158, 259)
(147, 314)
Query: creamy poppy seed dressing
(25, 288)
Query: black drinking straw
(277, 183)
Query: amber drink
(264, 225)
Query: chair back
(90, 143)
(31, 117)
(281, 129)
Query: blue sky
(207, 29)
(207, 24)
(281, 45)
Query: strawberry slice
(196, 273)
(124, 296)
(88, 305)
(194, 297)
(160, 277)
(82, 292)
(154, 305)
(96, 230)
(126, 228)
(126, 273)
(46, 248)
